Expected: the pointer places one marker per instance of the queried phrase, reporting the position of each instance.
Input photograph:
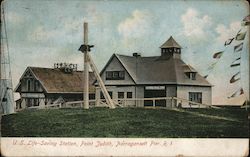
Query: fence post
(125, 102)
(172, 102)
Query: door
(155, 93)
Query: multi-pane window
(129, 95)
(120, 95)
(195, 97)
(115, 75)
(191, 75)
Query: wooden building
(167, 75)
(43, 86)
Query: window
(115, 75)
(195, 97)
(109, 75)
(191, 75)
(36, 86)
(28, 102)
(120, 95)
(36, 102)
(110, 94)
(28, 85)
(121, 74)
(129, 95)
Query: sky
(41, 33)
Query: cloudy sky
(41, 33)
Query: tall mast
(86, 69)
(6, 90)
(85, 48)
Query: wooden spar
(101, 84)
(85, 48)
(86, 69)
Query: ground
(127, 122)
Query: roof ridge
(39, 67)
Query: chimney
(137, 54)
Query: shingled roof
(152, 70)
(57, 81)
(170, 43)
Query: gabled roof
(57, 81)
(170, 43)
(152, 70)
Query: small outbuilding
(43, 86)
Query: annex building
(44, 86)
(166, 75)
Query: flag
(246, 21)
(234, 62)
(240, 36)
(218, 55)
(237, 93)
(233, 79)
(238, 47)
(234, 65)
(228, 42)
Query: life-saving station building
(167, 75)
(127, 78)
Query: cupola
(171, 48)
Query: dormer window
(192, 75)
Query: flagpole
(86, 69)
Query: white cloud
(227, 32)
(135, 26)
(195, 25)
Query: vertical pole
(86, 69)
(101, 84)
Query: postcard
(124, 78)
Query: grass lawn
(126, 122)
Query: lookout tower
(171, 49)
